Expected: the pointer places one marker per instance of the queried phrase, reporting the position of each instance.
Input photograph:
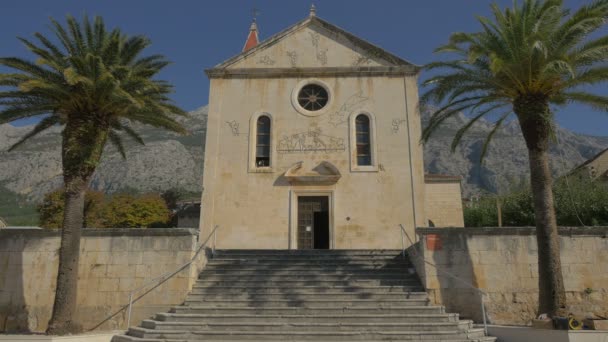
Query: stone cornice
(101, 232)
(408, 70)
(564, 231)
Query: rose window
(313, 97)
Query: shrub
(50, 211)
(130, 211)
(576, 200)
(124, 210)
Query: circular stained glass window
(313, 97)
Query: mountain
(505, 165)
(172, 161)
(166, 161)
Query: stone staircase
(307, 295)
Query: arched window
(363, 140)
(262, 144)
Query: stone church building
(314, 142)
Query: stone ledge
(88, 337)
(103, 232)
(311, 72)
(527, 334)
(564, 231)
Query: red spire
(252, 38)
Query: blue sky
(196, 35)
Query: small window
(364, 154)
(262, 146)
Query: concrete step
(309, 272)
(298, 296)
(316, 264)
(229, 268)
(308, 310)
(124, 338)
(202, 295)
(321, 254)
(319, 318)
(317, 327)
(301, 258)
(299, 265)
(286, 283)
(311, 276)
(304, 303)
(310, 260)
(237, 289)
(307, 335)
(221, 252)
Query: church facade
(313, 141)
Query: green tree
(94, 83)
(529, 57)
(51, 209)
(578, 201)
(129, 211)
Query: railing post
(402, 243)
(129, 314)
(214, 240)
(483, 312)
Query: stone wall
(113, 262)
(503, 263)
(443, 202)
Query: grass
(15, 210)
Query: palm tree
(94, 83)
(529, 58)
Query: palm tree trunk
(536, 124)
(552, 295)
(82, 146)
(64, 308)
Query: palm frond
(129, 131)
(44, 124)
(488, 140)
(464, 129)
(89, 74)
(117, 142)
(597, 102)
(22, 111)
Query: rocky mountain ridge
(172, 161)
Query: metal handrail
(483, 294)
(164, 277)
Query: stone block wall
(443, 201)
(113, 262)
(503, 262)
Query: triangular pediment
(313, 43)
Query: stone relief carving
(311, 141)
(354, 102)
(234, 127)
(359, 60)
(320, 54)
(314, 37)
(266, 60)
(293, 58)
(397, 123)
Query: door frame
(293, 214)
